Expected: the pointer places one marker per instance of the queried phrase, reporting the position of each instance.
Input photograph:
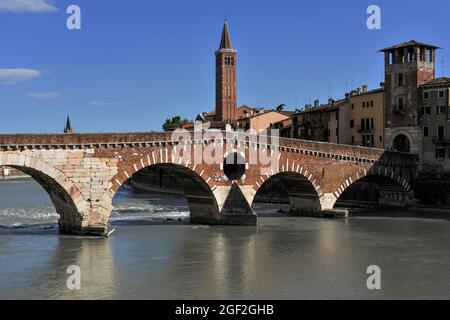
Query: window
(363, 125)
(429, 55)
(367, 123)
(440, 153)
(381, 138)
(229, 61)
(371, 103)
(400, 80)
(337, 132)
(368, 140)
(371, 124)
(427, 110)
(441, 133)
(401, 105)
(352, 123)
(364, 104)
(441, 94)
(353, 106)
(426, 95)
(353, 139)
(426, 131)
(441, 109)
(391, 58)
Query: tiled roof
(437, 82)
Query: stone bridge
(82, 172)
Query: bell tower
(407, 66)
(226, 97)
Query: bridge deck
(101, 140)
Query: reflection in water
(35, 267)
(282, 258)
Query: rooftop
(409, 44)
(437, 82)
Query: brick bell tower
(226, 97)
(407, 66)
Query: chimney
(358, 91)
(365, 88)
(316, 103)
(330, 101)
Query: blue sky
(135, 63)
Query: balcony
(442, 141)
(365, 130)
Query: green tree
(174, 123)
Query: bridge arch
(194, 181)
(381, 175)
(300, 185)
(68, 201)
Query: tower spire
(225, 41)
(68, 128)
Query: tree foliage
(174, 123)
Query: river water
(149, 257)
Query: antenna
(329, 89)
(443, 66)
(352, 82)
(346, 85)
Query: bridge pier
(230, 207)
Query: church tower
(226, 97)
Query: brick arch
(66, 197)
(295, 169)
(290, 166)
(199, 173)
(398, 132)
(380, 171)
(158, 157)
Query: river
(156, 254)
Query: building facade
(262, 120)
(434, 120)
(366, 124)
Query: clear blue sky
(135, 63)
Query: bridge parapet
(94, 140)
